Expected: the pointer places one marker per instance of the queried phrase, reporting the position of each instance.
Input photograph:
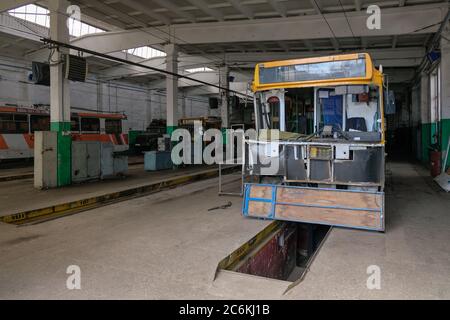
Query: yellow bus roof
(372, 75)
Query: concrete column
(445, 89)
(183, 106)
(415, 118)
(60, 91)
(171, 87)
(425, 125)
(224, 74)
(99, 95)
(148, 110)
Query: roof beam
(146, 10)
(108, 10)
(394, 41)
(20, 28)
(284, 46)
(246, 11)
(203, 6)
(335, 43)
(388, 57)
(184, 62)
(308, 44)
(396, 21)
(6, 5)
(120, 40)
(175, 9)
(399, 57)
(280, 8)
(317, 6)
(364, 42)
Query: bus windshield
(350, 110)
(314, 71)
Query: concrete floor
(167, 245)
(12, 192)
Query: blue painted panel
(272, 214)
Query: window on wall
(435, 94)
(146, 52)
(201, 69)
(41, 16)
(435, 102)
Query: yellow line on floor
(58, 210)
(16, 177)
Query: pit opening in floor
(282, 251)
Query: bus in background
(17, 127)
(321, 122)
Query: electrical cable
(143, 29)
(155, 69)
(326, 21)
(102, 55)
(346, 18)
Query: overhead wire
(161, 38)
(125, 62)
(326, 21)
(346, 18)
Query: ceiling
(116, 15)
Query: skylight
(202, 69)
(40, 16)
(146, 52)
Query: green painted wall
(224, 136)
(445, 134)
(442, 129)
(170, 129)
(64, 151)
(132, 134)
(426, 141)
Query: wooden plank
(263, 192)
(352, 218)
(330, 198)
(259, 209)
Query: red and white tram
(17, 127)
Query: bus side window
(39, 123)
(113, 126)
(75, 124)
(90, 125)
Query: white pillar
(171, 87)
(424, 98)
(445, 89)
(183, 106)
(425, 115)
(445, 72)
(99, 95)
(148, 110)
(224, 74)
(60, 92)
(59, 86)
